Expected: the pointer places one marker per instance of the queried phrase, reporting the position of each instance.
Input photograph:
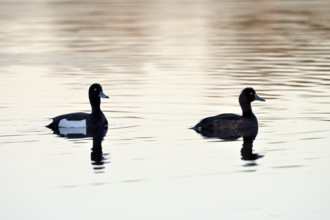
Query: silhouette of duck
(80, 119)
(232, 126)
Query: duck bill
(102, 95)
(257, 98)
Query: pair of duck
(222, 122)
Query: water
(165, 65)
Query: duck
(229, 125)
(95, 119)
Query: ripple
(165, 65)
(288, 166)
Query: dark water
(165, 65)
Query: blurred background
(165, 66)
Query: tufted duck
(232, 125)
(80, 119)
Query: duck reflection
(248, 134)
(98, 159)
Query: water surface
(165, 65)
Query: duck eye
(95, 89)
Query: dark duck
(95, 119)
(232, 126)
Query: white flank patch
(64, 123)
(68, 131)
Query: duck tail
(196, 127)
(52, 125)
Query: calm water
(165, 65)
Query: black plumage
(232, 126)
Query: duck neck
(246, 109)
(95, 104)
(247, 113)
